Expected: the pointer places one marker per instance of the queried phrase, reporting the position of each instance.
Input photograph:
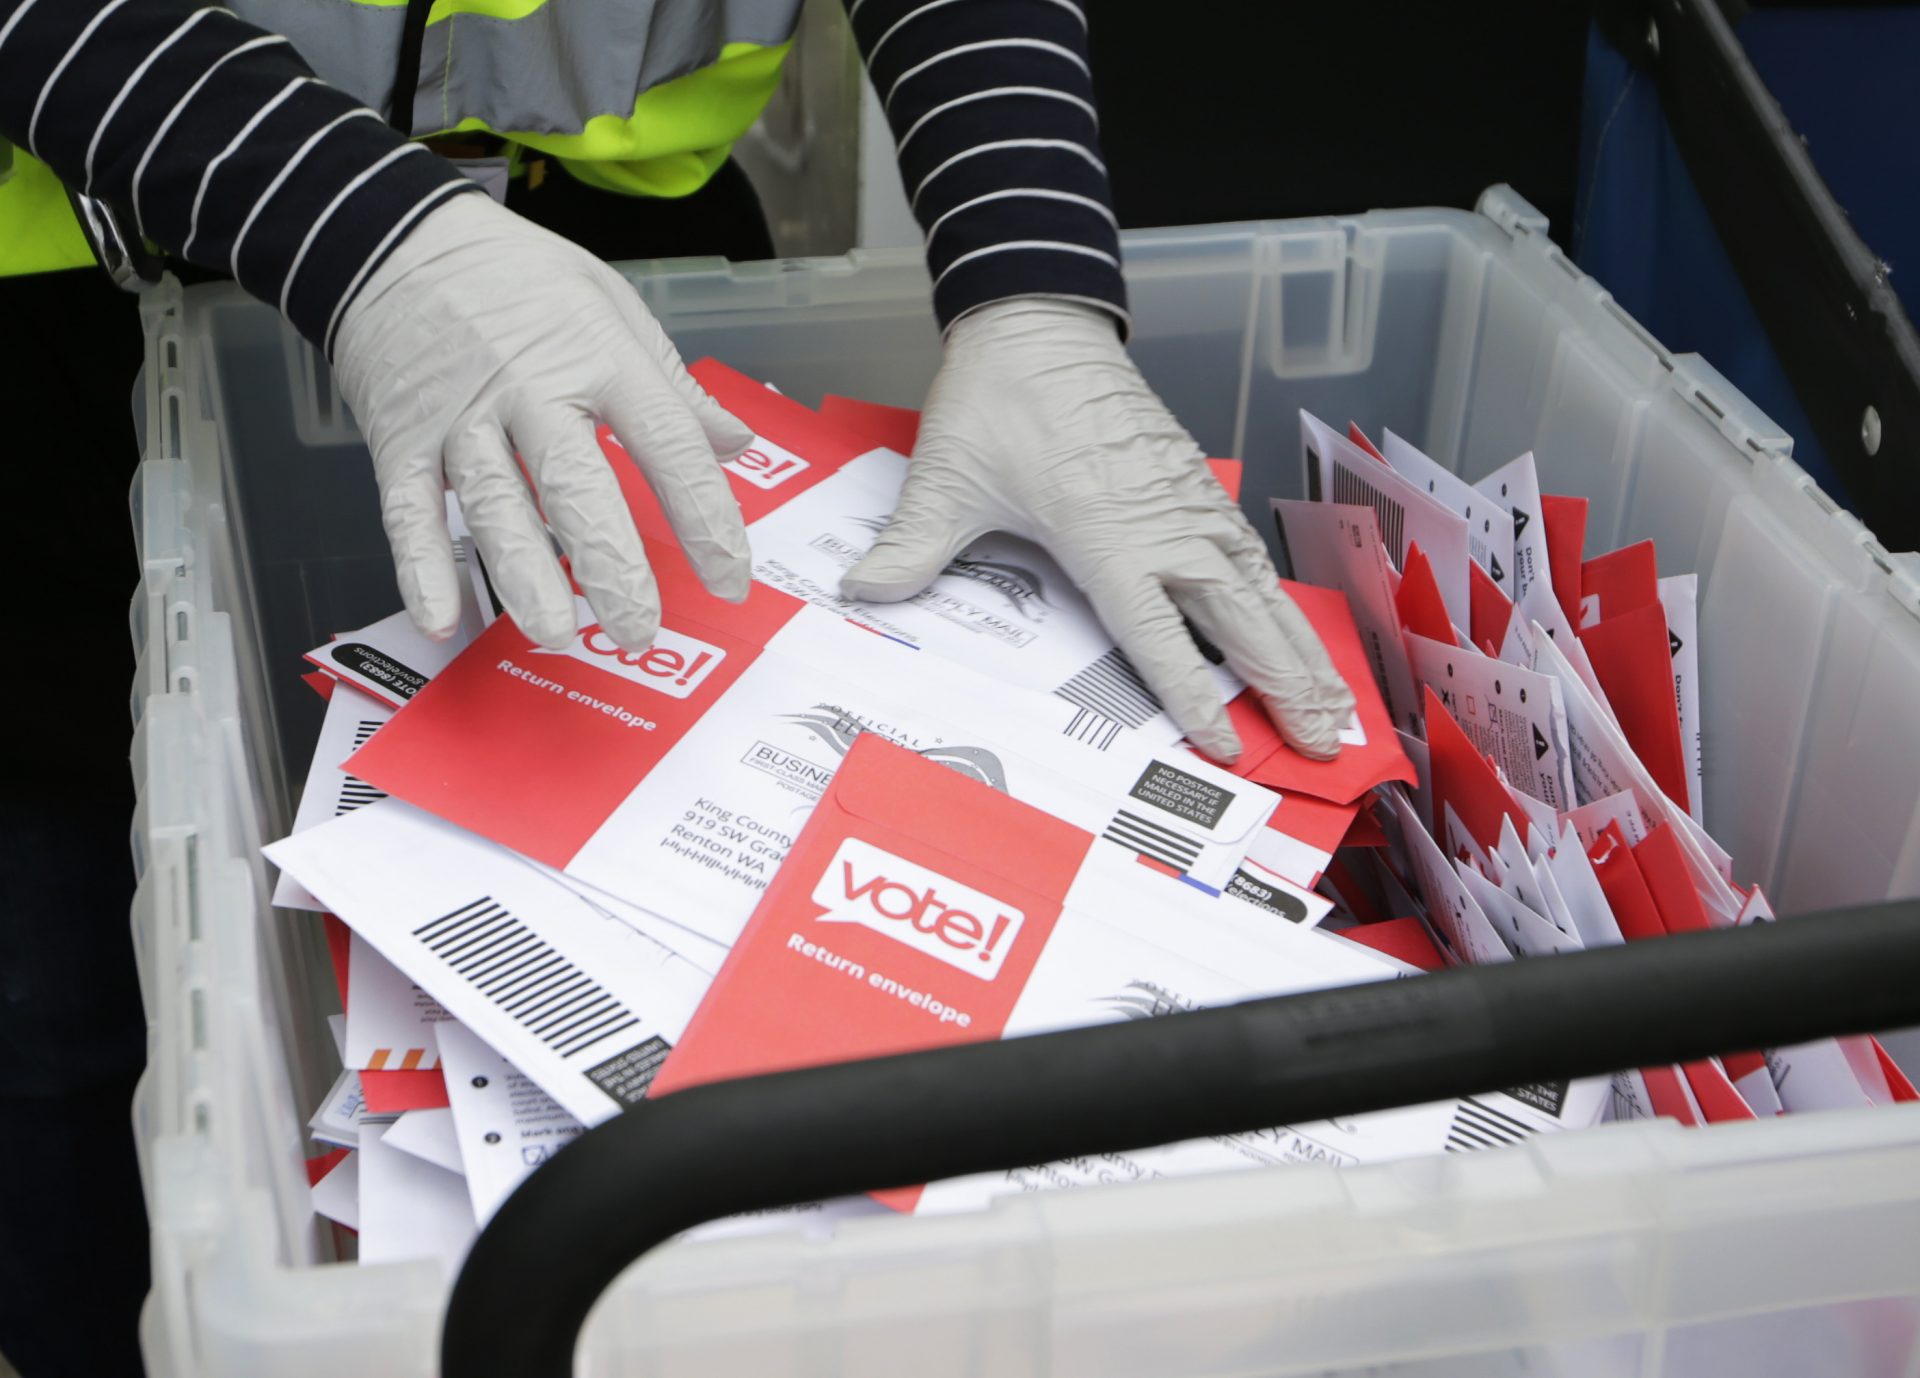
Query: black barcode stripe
(523, 945)
(517, 976)
(364, 729)
(428, 931)
(1178, 860)
(478, 938)
(589, 1037)
(1472, 1140)
(1481, 1110)
(515, 968)
(1173, 835)
(1106, 695)
(1477, 1125)
(1111, 687)
(1349, 487)
(582, 1016)
(1149, 842)
(546, 982)
(527, 1006)
(580, 996)
(1095, 729)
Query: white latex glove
(1039, 424)
(483, 334)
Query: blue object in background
(1844, 77)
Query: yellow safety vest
(643, 97)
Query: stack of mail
(799, 829)
(1552, 704)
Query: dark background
(1263, 110)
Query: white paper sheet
(1342, 472)
(410, 1209)
(1511, 714)
(336, 1196)
(1489, 522)
(1516, 485)
(429, 1136)
(1336, 545)
(390, 1020)
(506, 1125)
(1579, 886)
(350, 720)
(1604, 764)
(580, 1001)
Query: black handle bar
(763, 1142)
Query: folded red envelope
(339, 944)
(1631, 659)
(1421, 608)
(1375, 758)
(1406, 940)
(394, 1093)
(1625, 888)
(1670, 1094)
(321, 1164)
(1618, 582)
(1465, 779)
(320, 682)
(1565, 522)
(1718, 1099)
(1663, 866)
(1490, 609)
(1365, 830)
(1897, 1080)
(1359, 437)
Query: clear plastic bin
(1780, 1248)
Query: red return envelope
(1370, 752)
(1632, 660)
(919, 909)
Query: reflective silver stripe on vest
(548, 73)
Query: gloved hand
(483, 334)
(1039, 424)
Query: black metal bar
(1833, 319)
(762, 1142)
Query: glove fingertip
(1218, 742)
(883, 577)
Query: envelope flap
(973, 827)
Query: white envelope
(585, 1005)
(1338, 546)
(1340, 471)
(1489, 522)
(350, 721)
(506, 1126)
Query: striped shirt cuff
(991, 107)
(227, 149)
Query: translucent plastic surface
(1783, 1248)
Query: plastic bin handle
(763, 1142)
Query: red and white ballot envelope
(919, 909)
(676, 778)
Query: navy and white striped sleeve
(226, 147)
(992, 110)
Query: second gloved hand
(1039, 424)
(482, 335)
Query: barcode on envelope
(543, 992)
(1477, 1125)
(1155, 841)
(1112, 688)
(1097, 730)
(1349, 487)
(354, 792)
